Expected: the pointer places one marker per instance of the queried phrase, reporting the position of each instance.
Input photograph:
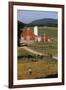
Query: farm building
(29, 36)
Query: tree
(19, 31)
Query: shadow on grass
(49, 76)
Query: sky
(27, 16)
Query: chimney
(36, 30)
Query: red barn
(28, 35)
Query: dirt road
(35, 52)
(32, 51)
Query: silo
(36, 30)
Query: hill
(40, 22)
(44, 22)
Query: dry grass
(39, 69)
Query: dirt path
(32, 51)
(55, 57)
(35, 52)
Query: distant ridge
(40, 22)
(44, 22)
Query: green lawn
(47, 48)
(49, 31)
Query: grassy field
(41, 66)
(49, 48)
(49, 31)
(39, 69)
(46, 48)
